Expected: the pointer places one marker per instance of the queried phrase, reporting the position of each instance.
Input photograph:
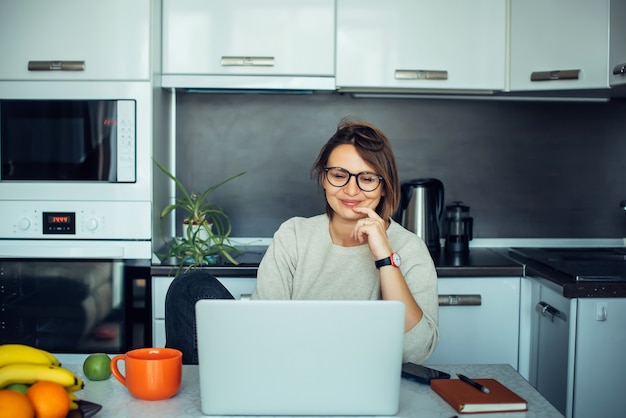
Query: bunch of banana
(23, 364)
(20, 353)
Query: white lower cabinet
(478, 321)
(237, 286)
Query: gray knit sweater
(303, 263)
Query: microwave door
(56, 140)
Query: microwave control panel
(76, 220)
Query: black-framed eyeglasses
(366, 180)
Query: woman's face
(342, 200)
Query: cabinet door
(249, 37)
(111, 38)
(600, 342)
(478, 321)
(617, 47)
(559, 44)
(421, 44)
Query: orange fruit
(50, 399)
(15, 405)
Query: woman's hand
(373, 229)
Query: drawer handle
(460, 300)
(555, 75)
(247, 61)
(619, 69)
(421, 75)
(56, 65)
(550, 312)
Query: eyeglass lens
(366, 181)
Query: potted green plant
(206, 227)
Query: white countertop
(416, 400)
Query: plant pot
(202, 236)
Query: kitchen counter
(479, 262)
(416, 400)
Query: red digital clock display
(59, 223)
(56, 219)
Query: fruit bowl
(85, 409)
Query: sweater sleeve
(421, 340)
(420, 274)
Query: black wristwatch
(392, 260)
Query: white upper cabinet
(75, 40)
(559, 44)
(617, 48)
(249, 44)
(421, 44)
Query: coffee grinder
(457, 228)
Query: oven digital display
(59, 223)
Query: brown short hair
(374, 147)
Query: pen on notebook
(477, 385)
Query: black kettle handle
(441, 198)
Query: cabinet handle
(247, 61)
(550, 312)
(555, 75)
(460, 300)
(56, 65)
(421, 75)
(619, 69)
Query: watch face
(395, 260)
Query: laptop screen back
(300, 357)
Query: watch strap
(383, 262)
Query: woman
(355, 250)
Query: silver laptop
(300, 357)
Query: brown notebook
(467, 399)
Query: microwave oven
(67, 141)
(75, 165)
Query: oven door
(74, 306)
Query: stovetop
(581, 264)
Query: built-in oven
(74, 305)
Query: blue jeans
(180, 315)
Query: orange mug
(151, 374)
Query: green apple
(97, 366)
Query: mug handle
(115, 371)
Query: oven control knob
(23, 224)
(91, 224)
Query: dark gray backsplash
(526, 169)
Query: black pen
(477, 385)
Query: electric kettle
(421, 205)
